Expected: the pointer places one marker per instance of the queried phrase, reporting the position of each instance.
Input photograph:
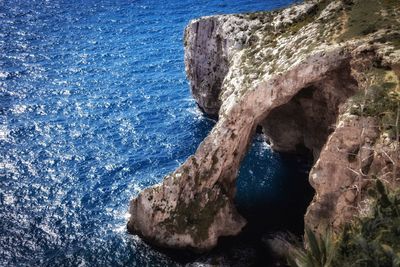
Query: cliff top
(280, 39)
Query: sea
(94, 107)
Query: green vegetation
(309, 18)
(368, 16)
(355, 19)
(368, 241)
(321, 251)
(380, 99)
(194, 219)
(373, 240)
(256, 55)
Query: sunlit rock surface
(294, 72)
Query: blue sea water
(94, 107)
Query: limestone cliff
(300, 73)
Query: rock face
(309, 117)
(207, 61)
(292, 71)
(335, 177)
(210, 44)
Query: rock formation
(294, 72)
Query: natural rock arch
(194, 205)
(254, 69)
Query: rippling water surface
(95, 106)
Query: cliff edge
(314, 75)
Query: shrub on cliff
(320, 251)
(373, 240)
(380, 98)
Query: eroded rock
(291, 71)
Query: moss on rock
(193, 218)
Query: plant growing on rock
(373, 240)
(320, 251)
(367, 241)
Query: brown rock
(264, 69)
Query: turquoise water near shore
(94, 107)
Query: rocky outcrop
(292, 71)
(207, 61)
(210, 44)
(335, 174)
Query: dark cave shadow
(273, 193)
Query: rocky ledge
(315, 75)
